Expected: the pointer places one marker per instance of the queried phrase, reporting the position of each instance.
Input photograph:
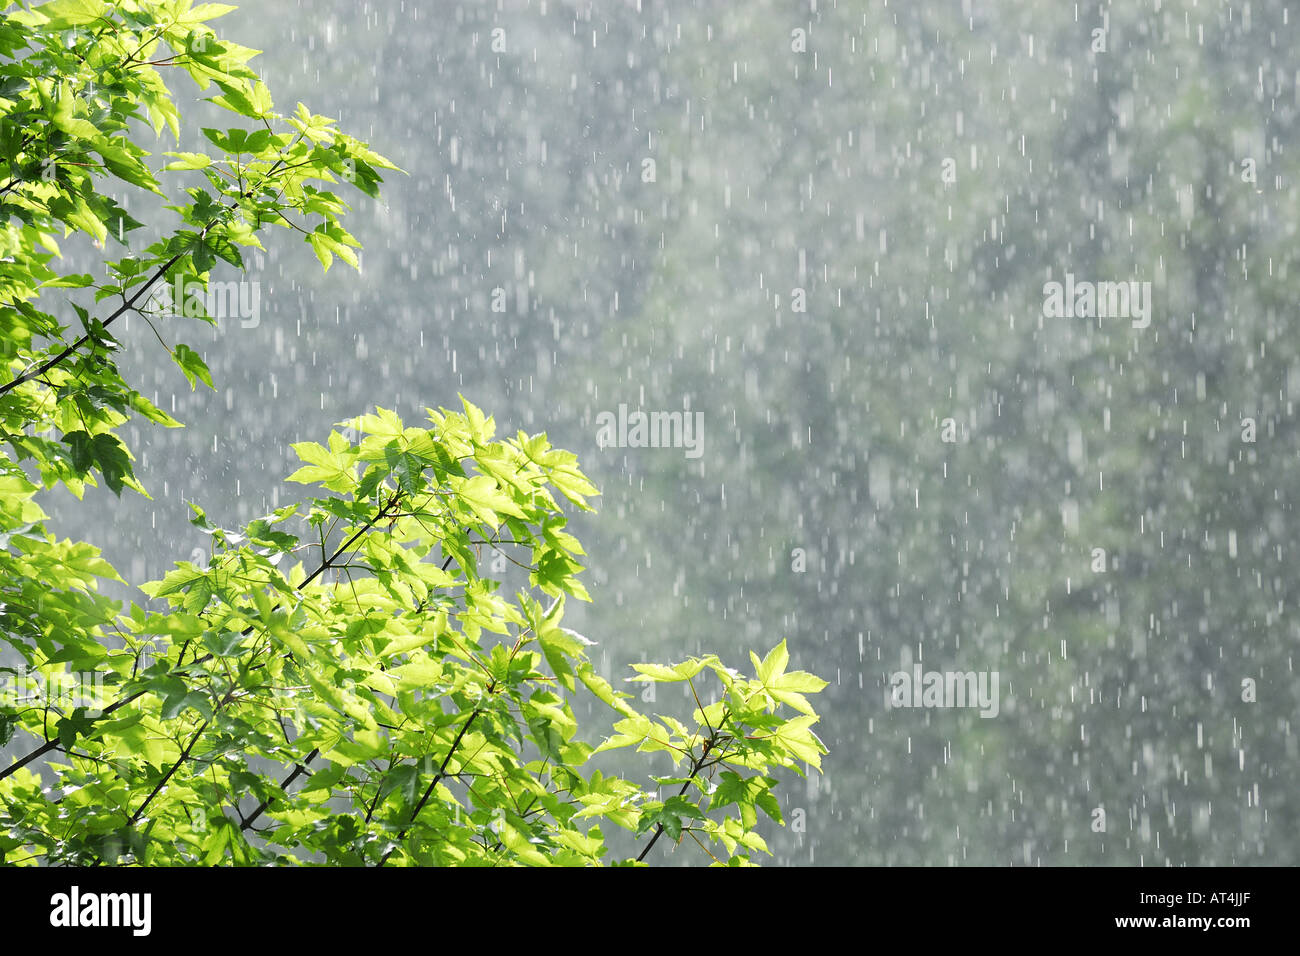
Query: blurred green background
(827, 227)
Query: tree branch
(438, 777)
(125, 307)
(298, 771)
(168, 775)
(695, 768)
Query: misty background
(827, 227)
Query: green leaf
(70, 282)
(104, 452)
(218, 840)
(797, 737)
(66, 13)
(189, 161)
(193, 366)
(177, 704)
(485, 499)
(223, 643)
